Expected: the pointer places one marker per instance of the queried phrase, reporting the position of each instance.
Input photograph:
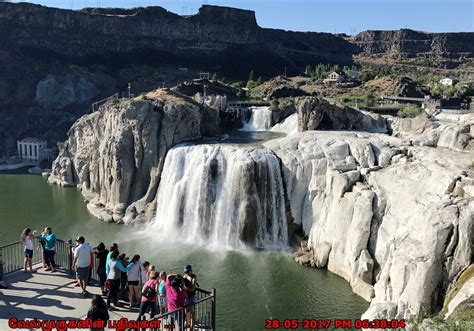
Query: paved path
(45, 295)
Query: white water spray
(223, 196)
(260, 120)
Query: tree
(250, 76)
(308, 71)
(259, 81)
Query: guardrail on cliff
(204, 309)
(95, 106)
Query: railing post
(213, 307)
(69, 254)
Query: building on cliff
(34, 149)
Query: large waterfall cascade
(260, 119)
(223, 196)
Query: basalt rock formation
(412, 44)
(116, 155)
(56, 62)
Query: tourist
(49, 248)
(176, 296)
(115, 267)
(123, 277)
(133, 279)
(144, 272)
(190, 282)
(162, 293)
(98, 311)
(149, 294)
(27, 238)
(41, 245)
(91, 263)
(82, 263)
(114, 247)
(101, 254)
(2, 284)
(151, 268)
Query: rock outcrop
(115, 155)
(318, 114)
(450, 131)
(384, 216)
(55, 63)
(411, 44)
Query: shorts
(191, 299)
(82, 273)
(29, 253)
(162, 300)
(133, 282)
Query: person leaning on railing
(113, 277)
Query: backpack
(149, 293)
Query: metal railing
(13, 256)
(204, 308)
(203, 311)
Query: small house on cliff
(335, 77)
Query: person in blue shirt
(115, 269)
(113, 248)
(49, 248)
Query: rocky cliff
(115, 155)
(411, 44)
(396, 221)
(56, 62)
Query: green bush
(409, 111)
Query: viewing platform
(44, 295)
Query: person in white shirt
(133, 279)
(82, 255)
(27, 237)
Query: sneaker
(47, 269)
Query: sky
(335, 16)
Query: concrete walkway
(44, 295)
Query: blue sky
(349, 16)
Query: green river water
(251, 286)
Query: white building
(447, 81)
(335, 77)
(33, 149)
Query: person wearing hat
(190, 285)
(81, 262)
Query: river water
(251, 285)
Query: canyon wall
(412, 44)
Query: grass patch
(367, 100)
(409, 111)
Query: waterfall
(289, 125)
(223, 196)
(260, 120)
